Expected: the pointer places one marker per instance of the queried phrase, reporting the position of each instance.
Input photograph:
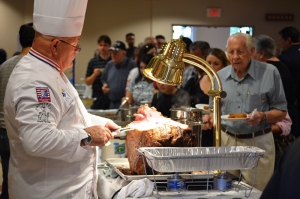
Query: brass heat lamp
(167, 68)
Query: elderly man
(115, 75)
(250, 85)
(52, 137)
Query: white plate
(201, 106)
(225, 117)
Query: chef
(53, 138)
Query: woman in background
(198, 87)
(147, 49)
(217, 58)
(141, 88)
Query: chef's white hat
(61, 18)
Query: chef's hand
(255, 118)
(207, 121)
(105, 88)
(100, 135)
(111, 125)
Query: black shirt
(96, 62)
(197, 95)
(130, 52)
(163, 103)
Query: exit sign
(214, 12)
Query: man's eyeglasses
(76, 48)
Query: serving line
(107, 186)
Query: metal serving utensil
(122, 104)
(121, 132)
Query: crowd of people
(47, 136)
(254, 76)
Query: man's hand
(105, 88)
(255, 118)
(97, 72)
(207, 121)
(100, 135)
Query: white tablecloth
(108, 186)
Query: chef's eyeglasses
(76, 48)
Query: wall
(11, 17)
(150, 17)
(215, 36)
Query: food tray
(116, 163)
(177, 159)
(110, 113)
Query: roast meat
(151, 129)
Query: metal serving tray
(110, 113)
(177, 159)
(116, 163)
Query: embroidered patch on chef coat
(63, 92)
(43, 94)
(68, 99)
(43, 112)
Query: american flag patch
(43, 94)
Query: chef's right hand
(112, 125)
(100, 135)
(207, 121)
(105, 88)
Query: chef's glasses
(76, 48)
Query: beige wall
(149, 17)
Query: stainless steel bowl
(127, 113)
(191, 114)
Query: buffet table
(107, 186)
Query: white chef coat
(45, 119)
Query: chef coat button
(239, 107)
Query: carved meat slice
(151, 129)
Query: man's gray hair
(248, 38)
(266, 44)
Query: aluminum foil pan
(117, 164)
(176, 159)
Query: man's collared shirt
(261, 89)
